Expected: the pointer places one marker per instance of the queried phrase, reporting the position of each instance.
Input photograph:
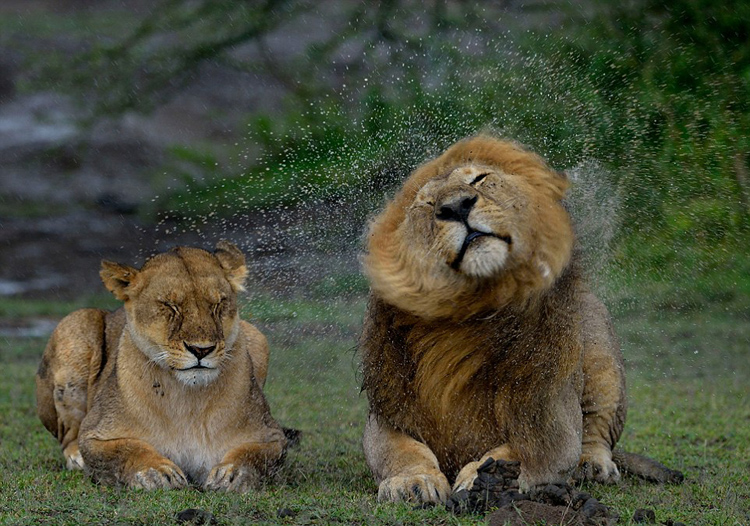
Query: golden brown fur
(166, 391)
(480, 337)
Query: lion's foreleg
(405, 469)
(599, 420)
(130, 462)
(603, 402)
(546, 437)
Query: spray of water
(324, 190)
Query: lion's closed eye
(479, 179)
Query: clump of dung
(496, 487)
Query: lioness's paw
(231, 477)
(597, 467)
(415, 488)
(73, 458)
(163, 476)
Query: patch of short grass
(689, 391)
(689, 406)
(312, 386)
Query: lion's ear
(232, 260)
(117, 278)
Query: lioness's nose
(457, 209)
(199, 351)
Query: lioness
(166, 391)
(481, 340)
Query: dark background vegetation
(127, 126)
(223, 108)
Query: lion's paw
(419, 489)
(466, 477)
(598, 467)
(232, 477)
(163, 476)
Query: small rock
(644, 516)
(293, 436)
(593, 509)
(285, 513)
(193, 516)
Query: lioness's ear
(232, 260)
(117, 278)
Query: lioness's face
(182, 312)
(474, 219)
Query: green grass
(689, 391)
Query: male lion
(167, 390)
(481, 339)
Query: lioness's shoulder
(252, 334)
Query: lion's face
(479, 227)
(182, 308)
(469, 219)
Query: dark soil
(496, 487)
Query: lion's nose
(199, 351)
(456, 210)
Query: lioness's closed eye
(167, 390)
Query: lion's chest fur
(466, 387)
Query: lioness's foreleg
(604, 401)
(62, 380)
(244, 467)
(130, 462)
(405, 469)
